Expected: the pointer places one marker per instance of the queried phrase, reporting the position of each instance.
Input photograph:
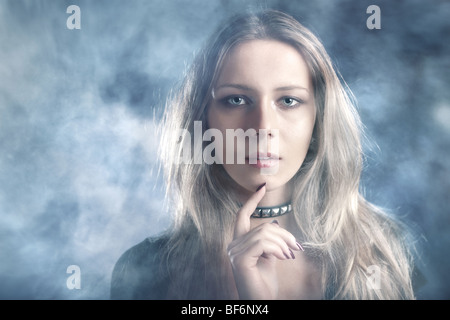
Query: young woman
(289, 221)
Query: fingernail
(300, 246)
(292, 254)
(287, 257)
(275, 221)
(259, 188)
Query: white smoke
(78, 182)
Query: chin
(250, 179)
(252, 184)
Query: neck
(275, 196)
(286, 221)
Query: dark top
(137, 274)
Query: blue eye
(236, 101)
(290, 102)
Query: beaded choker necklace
(267, 212)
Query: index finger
(243, 215)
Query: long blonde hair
(340, 230)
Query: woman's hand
(253, 253)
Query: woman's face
(264, 84)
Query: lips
(263, 160)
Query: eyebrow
(247, 88)
(235, 86)
(287, 88)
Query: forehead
(265, 63)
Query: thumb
(243, 215)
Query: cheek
(223, 119)
(297, 140)
(220, 121)
(296, 145)
(217, 120)
(210, 118)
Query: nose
(263, 118)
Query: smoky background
(78, 110)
